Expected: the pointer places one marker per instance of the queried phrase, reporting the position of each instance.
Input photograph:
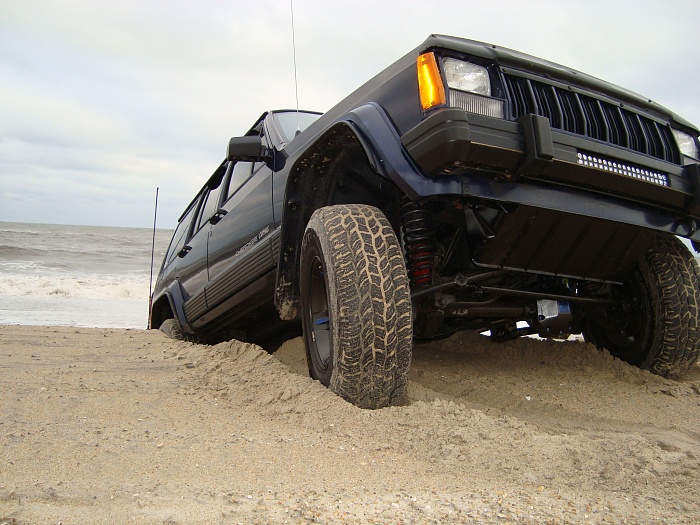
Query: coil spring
(419, 243)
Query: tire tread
(369, 286)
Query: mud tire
(356, 305)
(662, 333)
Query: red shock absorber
(419, 243)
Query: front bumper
(527, 162)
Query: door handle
(218, 215)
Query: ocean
(84, 276)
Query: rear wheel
(658, 330)
(356, 305)
(173, 329)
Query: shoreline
(80, 312)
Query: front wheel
(356, 305)
(658, 330)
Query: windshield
(288, 122)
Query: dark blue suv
(465, 187)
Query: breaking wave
(84, 287)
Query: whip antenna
(153, 250)
(294, 53)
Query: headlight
(466, 76)
(686, 143)
(470, 88)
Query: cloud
(102, 102)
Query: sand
(127, 426)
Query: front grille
(590, 117)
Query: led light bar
(592, 161)
(473, 103)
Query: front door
(239, 246)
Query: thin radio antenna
(294, 52)
(153, 250)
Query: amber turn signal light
(432, 91)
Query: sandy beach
(126, 426)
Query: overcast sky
(103, 101)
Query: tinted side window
(239, 174)
(210, 206)
(180, 236)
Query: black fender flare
(177, 302)
(309, 186)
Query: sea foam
(54, 274)
(84, 287)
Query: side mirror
(246, 148)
